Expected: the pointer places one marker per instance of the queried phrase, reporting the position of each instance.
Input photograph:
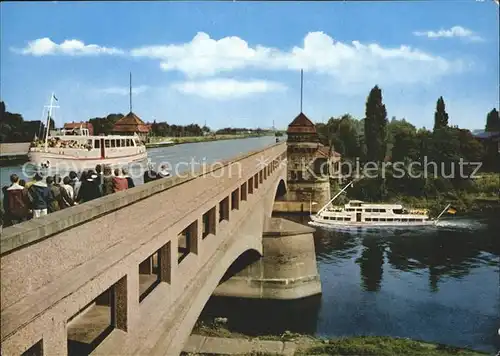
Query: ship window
(97, 144)
(113, 143)
(106, 143)
(118, 143)
(368, 210)
(347, 219)
(375, 219)
(382, 210)
(382, 219)
(368, 219)
(390, 219)
(359, 209)
(123, 142)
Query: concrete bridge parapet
(138, 266)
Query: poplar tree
(492, 121)
(375, 126)
(440, 116)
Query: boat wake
(461, 224)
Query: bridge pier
(287, 269)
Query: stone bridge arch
(94, 255)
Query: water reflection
(439, 284)
(371, 262)
(442, 252)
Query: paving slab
(234, 346)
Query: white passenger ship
(357, 213)
(77, 150)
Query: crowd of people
(57, 142)
(23, 200)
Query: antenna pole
(301, 87)
(47, 127)
(130, 92)
(49, 116)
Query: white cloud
(223, 89)
(205, 56)
(45, 46)
(455, 31)
(348, 63)
(348, 66)
(123, 90)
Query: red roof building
(76, 125)
(130, 124)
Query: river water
(179, 158)
(436, 284)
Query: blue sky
(238, 64)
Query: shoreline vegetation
(356, 345)
(473, 195)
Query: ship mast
(49, 116)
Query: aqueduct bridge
(129, 273)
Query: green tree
(104, 125)
(11, 125)
(492, 121)
(405, 143)
(440, 116)
(375, 126)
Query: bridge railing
(99, 256)
(29, 232)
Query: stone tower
(310, 163)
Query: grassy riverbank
(363, 345)
(208, 138)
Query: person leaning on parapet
(69, 189)
(107, 181)
(130, 181)
(90, 189)
(98, 170)
(150, 174)
(119, 182)
(17, 207)
(54, 196)
(39, 196)
(63, 198)
(75, 183)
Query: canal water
(178, 158)
(437, 284)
